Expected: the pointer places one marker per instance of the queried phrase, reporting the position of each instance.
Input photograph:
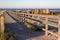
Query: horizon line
(29, 8)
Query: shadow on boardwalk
(21, 32)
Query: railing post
(24, 18)
(2, 26)
(59, 29)
(38, 23)
(46, 26)
(32, 18)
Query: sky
(29, 3)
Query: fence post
(23, 17)
(2, 26)
(32, 18)
(38, 23)
(59, 29)
(46, 26)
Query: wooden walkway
(21, 32)
(14, 21)
(47, 20)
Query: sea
(23, 9)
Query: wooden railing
(2, 25)
(47, 20)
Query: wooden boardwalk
(21, 32)
(14, 21)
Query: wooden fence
(47, 20)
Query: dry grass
(31, 26)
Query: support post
(38, 23)
(59, 29)
(2, 26)
(46, 26)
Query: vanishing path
(21, 32)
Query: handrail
(47, 21)
(51, 20)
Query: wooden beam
(2, 26)
(46, 26)
(50, 32)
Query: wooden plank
(46, 26)
(51, 32)
(51, 24)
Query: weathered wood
(2, 23)
(2, 26)
(50, 32)
(38, 23)
(46, 26)
(59, 29)
(46, 22)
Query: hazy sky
(29, 3)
